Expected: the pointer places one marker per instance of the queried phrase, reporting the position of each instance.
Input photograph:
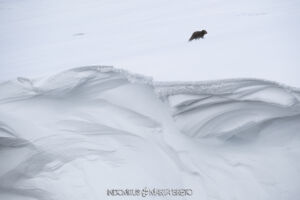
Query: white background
(256, 39)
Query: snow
(71, 129)
(76, 134)
(251, 39)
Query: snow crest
(81, 132)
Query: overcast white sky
(256, 39)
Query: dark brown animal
(197, 35)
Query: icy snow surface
(78, 133)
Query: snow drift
(79, 133)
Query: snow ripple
(78, 133)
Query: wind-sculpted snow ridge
(81, 132)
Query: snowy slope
(78, 133)
(255, 39)
(75, 134)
